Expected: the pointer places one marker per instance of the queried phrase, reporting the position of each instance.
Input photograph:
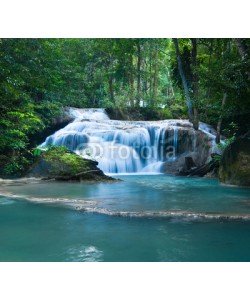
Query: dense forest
(197, 79)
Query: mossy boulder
(60, 164)
(235, 163)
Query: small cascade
(122, 146)
(194, 141)
(175, 141)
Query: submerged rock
(60, 164)
(235, 163)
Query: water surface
(142, 218)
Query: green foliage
(16, 166)
(231, 133)
(217, 158)
(38, 77)
(231, 130)
(37, 152)
(220, 69)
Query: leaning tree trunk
(243, 51)
(217, 140)
(111, 89)
(184, 81)
(195, 83)
(138, 73)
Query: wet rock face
(235, 163)
(195, 144)
(191, 143)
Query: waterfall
(175, 143)
(119, 146)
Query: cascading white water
(175, 140)
(120, 146)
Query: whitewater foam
(93, 206)
(125, 146)
(184, 215)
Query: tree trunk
(196, 119)
(171, 88)
(131, 82)
(144, 81)
(217, 140)
(184, 81)
(138, 73)
(195, 83)
(150, 77)
(243, 51)
(241, 48)
(155, 79)
(111, 89)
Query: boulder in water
(235, 163)
(61, 164)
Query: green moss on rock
(61, 164)
(235, 163)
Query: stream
(141, 218)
